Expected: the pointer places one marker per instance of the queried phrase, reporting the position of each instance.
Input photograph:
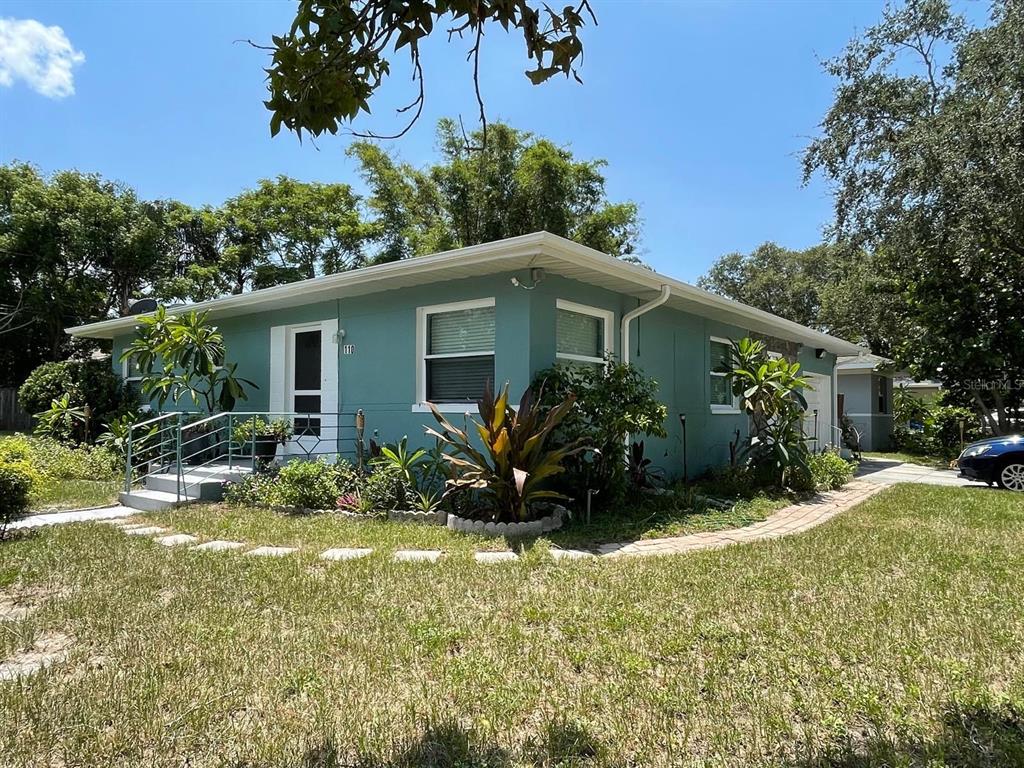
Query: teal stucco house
(389, 339)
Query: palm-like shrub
(183, 355)
(512, 469)
(770, 391)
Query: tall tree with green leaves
(326, 69)
(516, 184)
(832, 288)
(925, 150)
(73, 247)
(286, 230)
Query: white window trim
(422, 313)
(608, 319)
(718, 408)
(125, 369)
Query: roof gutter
(643, 309)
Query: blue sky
(700, 108)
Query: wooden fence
(12, 418)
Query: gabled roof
(554, 254)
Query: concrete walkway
(890, 472)
(74, 516)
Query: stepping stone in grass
(148, 530)
(219, 546)
(272, 551)
(344, 554)
(571, 554)
(176, 540)
(417, 555)
(49, 648)
(495, 557)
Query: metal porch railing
(185, 443)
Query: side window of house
(132, 376)
(883, 396)
(582, 335)
(458, 358)
(721, 393)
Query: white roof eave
(537, 249)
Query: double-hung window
(722, 398)
(131, 373)
(582, 335)
(456, 351)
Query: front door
(304, 386)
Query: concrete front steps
(160, 490)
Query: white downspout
(629, 317)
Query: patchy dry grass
(76, 494)
(644, 519)
(889, 636)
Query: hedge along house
(391, 338)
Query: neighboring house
(865, 387)
(388, 339)
(927, 391)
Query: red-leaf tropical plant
(512, 467)
(770, 391)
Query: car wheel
(1011, 476)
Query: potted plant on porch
(260, 438)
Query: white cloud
(41, 57)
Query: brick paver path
(792, 519)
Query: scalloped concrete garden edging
(551, 522)
(440, 517)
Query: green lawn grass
(891, 635)
(76, 494)
(636, 519)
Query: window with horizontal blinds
(719, 354)
(579, 334)
(721, 395)
(459, 359)
(461, 331)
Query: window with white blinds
(458, 346)
(582, 335)
(722, 398)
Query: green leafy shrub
(299, 483)
(513, 471)
(829, 471)
(191, 354)
(84, 382)
(609, 404)
(386, 488)
(770, 392)
(940, 435)
(17, 480)
(311, 484)
(730, 482)
(53, 459)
